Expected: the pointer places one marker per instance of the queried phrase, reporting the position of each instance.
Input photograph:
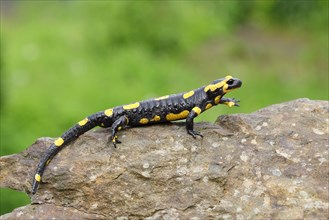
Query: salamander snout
(233, 83)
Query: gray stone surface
(271, 164)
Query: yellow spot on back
(108, 112)
(197, 110)
(48, 161)
(37, 177)
(162, 97)
(156, 118)
(181, 115)
(131, 106)
(59, 142)
(144, 121)
(208, 106)
(83, 122)
(213, 87)
(188, 94)
(217, 99)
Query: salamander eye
(230, 82)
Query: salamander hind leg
(117, 126)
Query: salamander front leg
(117, 126)
(190, 123)
(229, 102)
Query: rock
(49, 211)
(270, 164)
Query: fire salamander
(186, 105)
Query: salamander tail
(70, 135)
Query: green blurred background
(63, 60)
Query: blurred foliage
(63, 60)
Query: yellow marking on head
(225, 87)
(156, 118)
(162, 97)
(213, 87)
(181, 115)
(108, 112)
(197, 110)
(144, 121)
(37, 177)
(208, 106)
(217, 99)
(188, 94)
(59, 142)
(131, 106)
(83, 122)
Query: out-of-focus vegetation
(63, 60)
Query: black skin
(123, 116)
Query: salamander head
(222, 86)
